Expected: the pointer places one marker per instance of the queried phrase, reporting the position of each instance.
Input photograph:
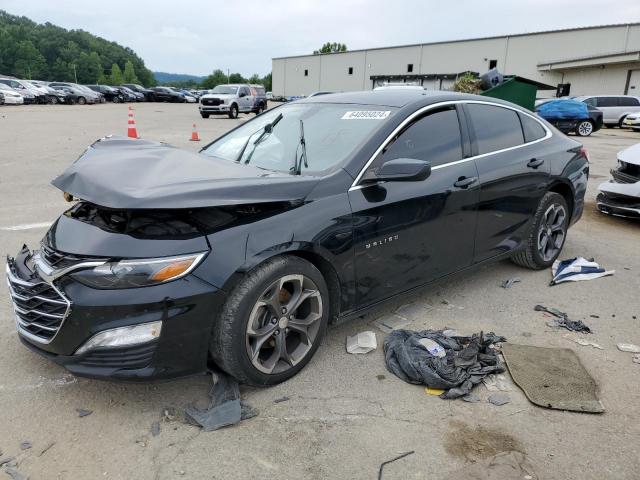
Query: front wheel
(204, 115)
(233, 111)
(584, 128)
(547, 234)
(116, 100)
(82, 100)
(272, 322)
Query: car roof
(394, 97)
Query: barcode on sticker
(366, 115)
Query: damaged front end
(621, 195)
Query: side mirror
(403, 170)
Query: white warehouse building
(592, 60)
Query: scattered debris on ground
(26, 445)
(413, 310)
(583, 342)
(281, 399)
(628, 347)
(510, 282)
(390, 323)
(155, 429)
(14, 474)
(466, 362)
(511, 465)
(577, 269)
(635, 359)
(434, 391)
(83, 412)
(561, 320)
(552, 377)
(496, 383)
(499, 399)
(363, 342)
(169, 414)
(225, 407)
(391, 461)
(471, 398)
(9, 461)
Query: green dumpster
(518, 90)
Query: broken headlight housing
(138, 273)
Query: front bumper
(214, 108)
(186, 308)
(618, 205)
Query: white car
(621, 195)
(632, 121)
(11, 97)
(615, 108)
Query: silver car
(614, 107)
(227, 100)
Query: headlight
(123, 336)
(138, 273)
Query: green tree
(62, 71)
(216, 78)
(237, 78)
(116, 77)
(29, 62)
(129, 74)
(266, 81)
(255, 78)
(331, 48)
(89, 67)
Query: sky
(198, 36)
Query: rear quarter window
(628, 102)
(495, 128)
(531, 128)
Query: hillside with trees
(30, 50)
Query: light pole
(75, 75)
(228, 77)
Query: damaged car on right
(620, 196)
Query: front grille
(59, 260)
(40, 308)
(211, 101)
(138, 356)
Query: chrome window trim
(355, 185)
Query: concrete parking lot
(345, 414)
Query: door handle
(535, 162)
(465, 182)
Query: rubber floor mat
(552, 377)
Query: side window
(531, 128)
(434, 137)
(607, 102)
(591, 101)
(628, 102)
(495, 127)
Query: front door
(408, 233)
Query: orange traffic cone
(132, 132)
(194, 134)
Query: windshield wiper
(296, 169)
(267, 129)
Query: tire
(116, 99)
(532, 256)
(620, 123)
(246, 343)
(54, 100)
(204, 115)
(81, 100)
(233, 111)
(584, 128)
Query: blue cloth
(563, 110)
(576, 269)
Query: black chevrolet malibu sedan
(242, 254)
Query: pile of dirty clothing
(443, 359)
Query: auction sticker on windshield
(366, 115)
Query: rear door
(628, 105)
(610, 109)
(245, 100)
(513, 173)
(408, 233)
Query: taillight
(584, 153)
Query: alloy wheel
(552, 232)
(284, 324)
(585, 128)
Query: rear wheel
(233, 111)
(116, 99)
(82, 100)
(584, 128)
(272, 322)
(53, 100)
(547, 234)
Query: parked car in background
(313, 212)
(11, 96)
(164, 94)
(632, 121)
(228, 100)
(74, 94)
(614, 107)
(269, 95)
(149, 95)
(571, 116)
(621, 195)
(188, 96)
(30, 93)
(1, 98)
(110, 93)
(53, 96)
(138, 97)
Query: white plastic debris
(390, 323)
(363, 342)
(434, 348)
(628, 347)
(496, 383)
(583, 342)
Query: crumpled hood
(630, 155)
(123, 173)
